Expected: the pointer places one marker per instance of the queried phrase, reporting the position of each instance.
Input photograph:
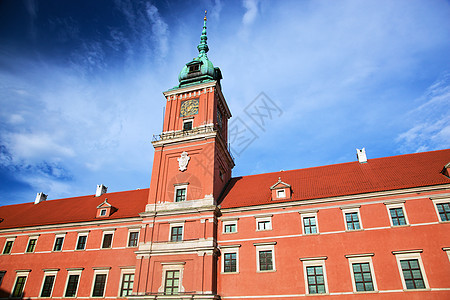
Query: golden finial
(205, 16)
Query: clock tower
(191, 166)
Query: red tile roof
(71, 210)
(379, 174)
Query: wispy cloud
(251, 12)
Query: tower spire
(203, 47)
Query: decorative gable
(281, 190)
(104, 210)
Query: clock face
(189, 107)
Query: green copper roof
(200, 69)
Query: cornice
(190, 88)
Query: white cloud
(251, 13)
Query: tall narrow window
(229, 262)
(363, 277)
(444, 211)
(265, 260)
(58, 243)
(127, 285)
(99, 285)
(18, 286)
(352, 221)
(48, 286)
(81, 242)
(397, 216)
(316, 280)
(412, 274)
(31, 245)
(133, 239)
(72, 285)
(180, 194)
(8, 247)
(176, 234)
(107, 240)
(172, 283)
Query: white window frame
(406, 255)
(229, 249)
(269, 246)
(10, 239)
(176, 224)
(103, 212)
(179, 187)
(48, 272)
(32, 237)
(309, 214)
(188, 120)
(281, 191)
(263, 218)
(20, 273)
(362, 258)
(233, 221)
(349, 210)
(131, 230)
(314, 262)
(86, 234)
(59, 235)
(100, 271)
(172, 266)
(390, 205)
(123, 271)
(73, 271)
(103, 237)
(439, 201)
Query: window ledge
(229, 232)
(416, 290)
(309, 234)
(231, 273)
(314, 295)
(400, 226)
(263, 229)
(444, 221)
(354, 230)
(266, 271)
(365, 292)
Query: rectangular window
(72, 285)
(176, 233)
(230, 262)
(19, 286)
(171, 285)
(58, 243)
(99, 285)
(228, 228)
(127, 285)
(316, 280)
(103, 212)
(180, 194)
(2, 274)
(187, 125)
(362, 276)
(48, 286)
(31, 245)
(265, 260)
(8, 247)
(412, 274)
(81, 243)
(263, 222)
(281, 194)
(263, 225)
(309, 225)
(444, 211)
(133, 239)
(397, 216)
(352, 221)
(107, 240)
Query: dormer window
(104, 209)
(194, 68)
(280, 190)
(103, 212)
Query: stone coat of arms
(183, 161)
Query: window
(263, 222)
(194, 68)
(229, 226)
(187, 125)
(103, 212)
(176, 233)
(444, 211)
(81, 242)
(19, 285)
(265, 256)
(47, 286)
(172, 282)
(230, 262)
(107, 240)
(397, 214)
(361, 270)
(309, 225)
(180, 193)
(126, 288)
(8, 246)
(59, 240)
(2, 274)
(352, 218)
(281, 194)
(315, 275)
(72, 285)
(219, 117)
(98, 289)
(411, 269)
(133, 238)
(31, 244)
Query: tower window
(187, 125)
(194, 68)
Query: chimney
(361, 155)
(101, 189)
(40, 197)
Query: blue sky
(81, 84)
